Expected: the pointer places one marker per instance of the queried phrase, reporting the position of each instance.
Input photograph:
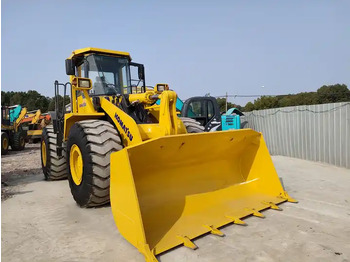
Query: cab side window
(80, 69)
(195, 109)
(211, 112)
(81, 73)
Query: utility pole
(226, 101)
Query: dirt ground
(41, 222)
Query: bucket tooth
(149, 254)
(272, 206)
(237, 221)
(288, 198)
(255, 213)
(215, 231)
(187, 242)
(150, 258)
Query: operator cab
(205, 110)
(110, 74)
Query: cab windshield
(109, 75)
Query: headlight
(84, 83)
(160, 88)
(81, 83)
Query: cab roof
(88, 50)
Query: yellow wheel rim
(21, 141)
(76, 164)
(5, 143)
(43, 152)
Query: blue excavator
(205, 110)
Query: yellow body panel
(7, 127)
(133, 133)
(198, 183)
(125, 124)
(36, 117)
(34, 132)
(149, 131)
(83, 106)
(167, 113)
(97, 50)
(19, 119)
(154, 111)
(71, 118)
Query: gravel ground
(41, 222)
(19, 168)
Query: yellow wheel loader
(166, 185)
(12, 132)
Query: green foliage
(51, 106)
(333, 94)
(222, 104)
(325, 94)
(266, 102)
(31, 99)
(249, 107)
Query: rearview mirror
(70, 69)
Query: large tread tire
(5, 143)
(96, 140)
(56, 166)
(192, 126)
(18, 142)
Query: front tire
(192, 126)
(18, 142)
(5, 142)
(89, 146)
(54, 166)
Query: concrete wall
(316, 132)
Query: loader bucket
(167, 191)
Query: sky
(197, 47)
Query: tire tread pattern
(192, 125)
(58, 165)
(103, 139)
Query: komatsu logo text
(122, 125)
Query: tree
(249, 107)
(5, 98)
(239, 107)
(325, 94)
(333, 94)
(51, 106)
(286, 101)
(16, 99)
(266, 102)
(31, 99)
(222, 104)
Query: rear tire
(192, 126)
(89, 165)
(18, 142)
(54, 166)
(5, 142)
